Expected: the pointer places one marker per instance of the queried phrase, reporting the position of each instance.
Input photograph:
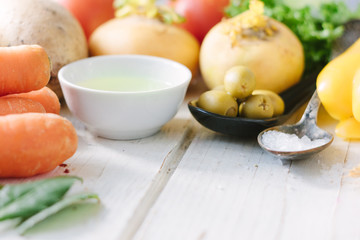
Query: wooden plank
(347, 208)
(206, 196)
(234, 190)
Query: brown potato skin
(140, 35)
(277, 62)
(48, 24)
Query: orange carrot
(23, 68)
(45, 96)
(34, 143)
(11, 105)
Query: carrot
(23, 68)
(45, 96)
(11, 105)
(34, 143)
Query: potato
(47, 24)
(141, 35)
(277, 59)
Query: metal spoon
(305, 127)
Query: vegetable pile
(316, 32)
(33, 137)
(32, 202)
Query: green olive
(239, 81)
(257, 107)
(277, 101)
(194, 103)
(218, 102)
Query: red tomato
(201, 15)
(90, 13)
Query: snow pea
(10, 192)
(65, 202)
(25, 200)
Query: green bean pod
(26, 200)
(42, 215)
(11, 192)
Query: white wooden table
(189, 183)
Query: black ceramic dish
(294, 98)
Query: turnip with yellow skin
(141, 35)
(139, 28)
(269, 48)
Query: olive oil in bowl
(123, 84)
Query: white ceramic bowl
(124, 114)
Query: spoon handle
(311, 111)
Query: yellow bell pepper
(338, 86)
(356, 95)
(335, 83)
(348, 129)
